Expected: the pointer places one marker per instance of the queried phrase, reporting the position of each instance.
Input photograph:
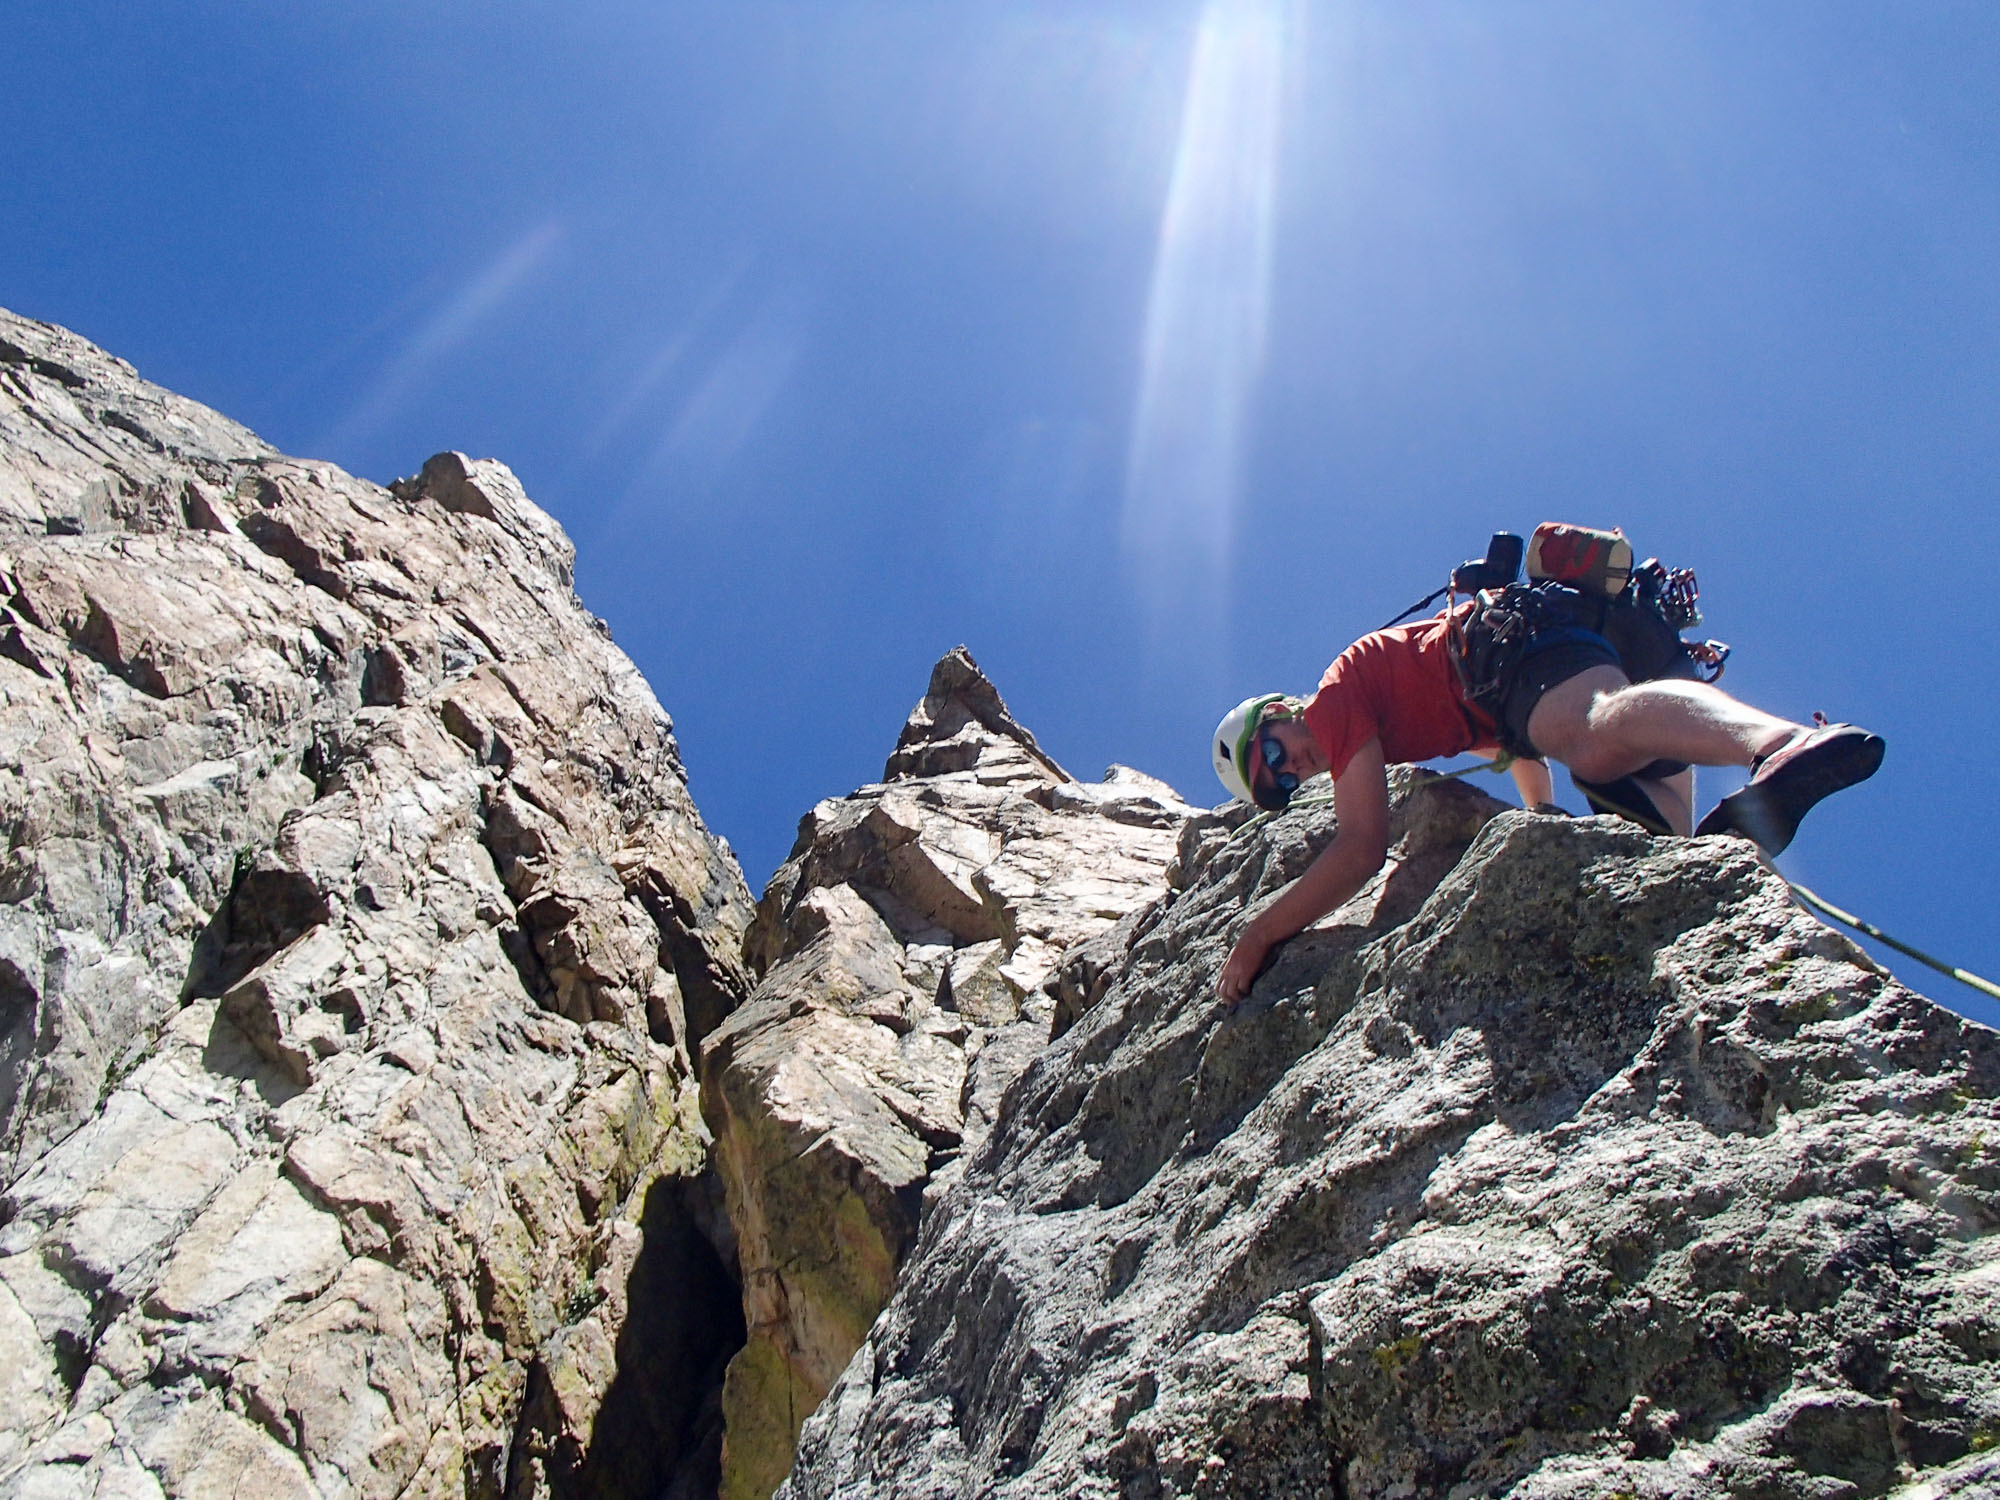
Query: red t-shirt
(1398, 685)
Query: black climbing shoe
(1785, 784)
(1624, 798)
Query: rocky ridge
(1561, 1162)
(356, 931)
(912, 953)
(394, 1079)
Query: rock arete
(400, 1095)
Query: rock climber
(1624, 710)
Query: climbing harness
(1869, 929)
(1579, 579)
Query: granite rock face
(356, 936)
(1561, 1162)
(400, 1097)
(912, 953)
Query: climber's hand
(1359, 847)
(1245, 962)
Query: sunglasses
(1276, 794)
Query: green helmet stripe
(1250, 723)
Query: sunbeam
(645, 385)
(442, 332)
(739, 388)
(718, 416)
(1205, 319)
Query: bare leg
(1603, 727)
(1674, 797)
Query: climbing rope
(1963, 976)
(1496, 765)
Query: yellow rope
(1963, 976)
(1496, 765)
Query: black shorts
(1596, 633)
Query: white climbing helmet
(1231, 745)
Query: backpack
(1592, 569)
(1588, 560)
(1593, 562)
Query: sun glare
(1206, 317)
(443, 332)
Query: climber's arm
(1531, 776)
(1531, 780)
(1361, 798)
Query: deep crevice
(658, 1431)
(20, 1007)
(520, 951)
(707, 998)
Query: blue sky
(1154, 351)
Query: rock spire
(909, 952)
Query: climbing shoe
(1624, 798)
(1785, 784)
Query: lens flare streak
(1206, 316)
(444, 332)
